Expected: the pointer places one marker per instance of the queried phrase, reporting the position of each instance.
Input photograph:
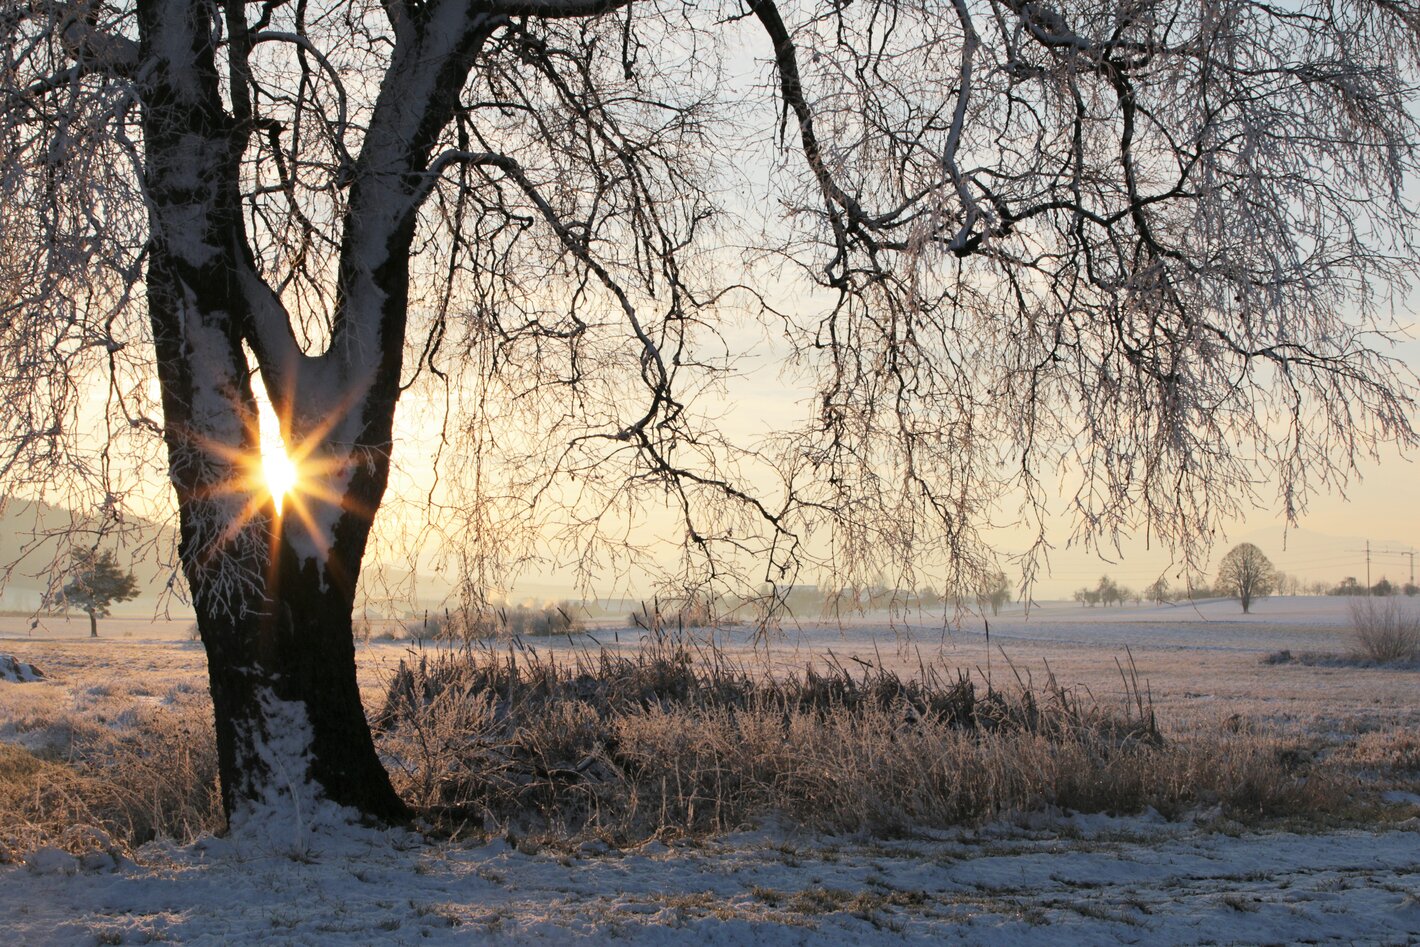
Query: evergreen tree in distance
(98, 582)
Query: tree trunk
(274, 598)
(290, 723)
(93, 623)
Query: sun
(280, 472)
(290, 475)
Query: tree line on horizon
(1245, 574)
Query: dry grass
(516, 621)
(110, 773)
(661, 618)
(1388, 753)
(1384, 631)
(672, 740)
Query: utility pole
(1411, 554)
(1368, 567)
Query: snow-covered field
(1042, 878)
(1068, 881)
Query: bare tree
(1106, 592)
(995, 592)
(1139, 249)
(1246, 574)
(1159, 591)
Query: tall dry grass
(678, 740)
(111, 774)
(659, 618)
(510, 621)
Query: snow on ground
(1079, 881)
(15, 671)
(1179, 622)
(1207, 625)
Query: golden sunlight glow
(295, 478)
(280, 472)
(294, 474)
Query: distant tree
(1195, 587)
(1410, 588)
(1246, 574)
(1159, 591)
(1106, 592)
(1384, 587)
(996, 592)
(98, 582)
(1348, 586)
(928, 597)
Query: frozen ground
(1077, 881)
(1209, 624)
(1062, 880)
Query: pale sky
(1328, 543)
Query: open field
(1346, 870)
(1199, 660)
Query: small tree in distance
(1348, 586)
(1246, 574)
(1106, 592)
(1109, 592)
(98, 582)
(1158, 591)
(996, 592)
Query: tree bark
(286, 701)
(93, 623)
(276, 625)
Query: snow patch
(15, 671)
(285, 807)
(1400, 797)
(52, 861)
(291, 816)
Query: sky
(1327, 543)
(1381, 504)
